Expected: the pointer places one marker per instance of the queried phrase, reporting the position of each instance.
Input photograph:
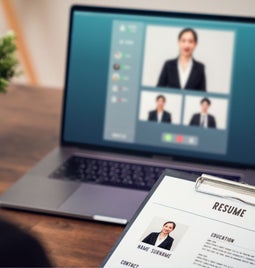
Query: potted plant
(8, 60)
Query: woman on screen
(184, 72)
(162, 239)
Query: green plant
(8, 60)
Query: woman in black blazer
(162, 239)
(184, 72)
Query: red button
(179, 138)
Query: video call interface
(163, 85)
(166, 88)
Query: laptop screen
(161, 83)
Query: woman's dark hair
(188, 30)
(170, 222)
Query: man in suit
(203, 119)
(159, 114)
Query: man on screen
(203, 119)
(159, 114)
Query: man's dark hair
(170, 222)
(161, 97)
(188, 30)
(205, 100)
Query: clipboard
(227, 189)
(205, 188)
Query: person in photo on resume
(161, 239)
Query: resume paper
(202, 231)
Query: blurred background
(42, 26)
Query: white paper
(211, 232)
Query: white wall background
(45, 24)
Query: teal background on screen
(88, 74)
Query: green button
(168, 137)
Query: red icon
(179, 138)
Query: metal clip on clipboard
(226, 189)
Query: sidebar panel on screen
(123, 81)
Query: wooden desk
(29, 129)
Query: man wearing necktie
(203, 119)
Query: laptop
(144, 91)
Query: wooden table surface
(29, 129)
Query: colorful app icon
(118, 55)
(115, 77)
(116, 66)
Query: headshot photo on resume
(161, 239)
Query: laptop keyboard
(114, 173)
(107, 172)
